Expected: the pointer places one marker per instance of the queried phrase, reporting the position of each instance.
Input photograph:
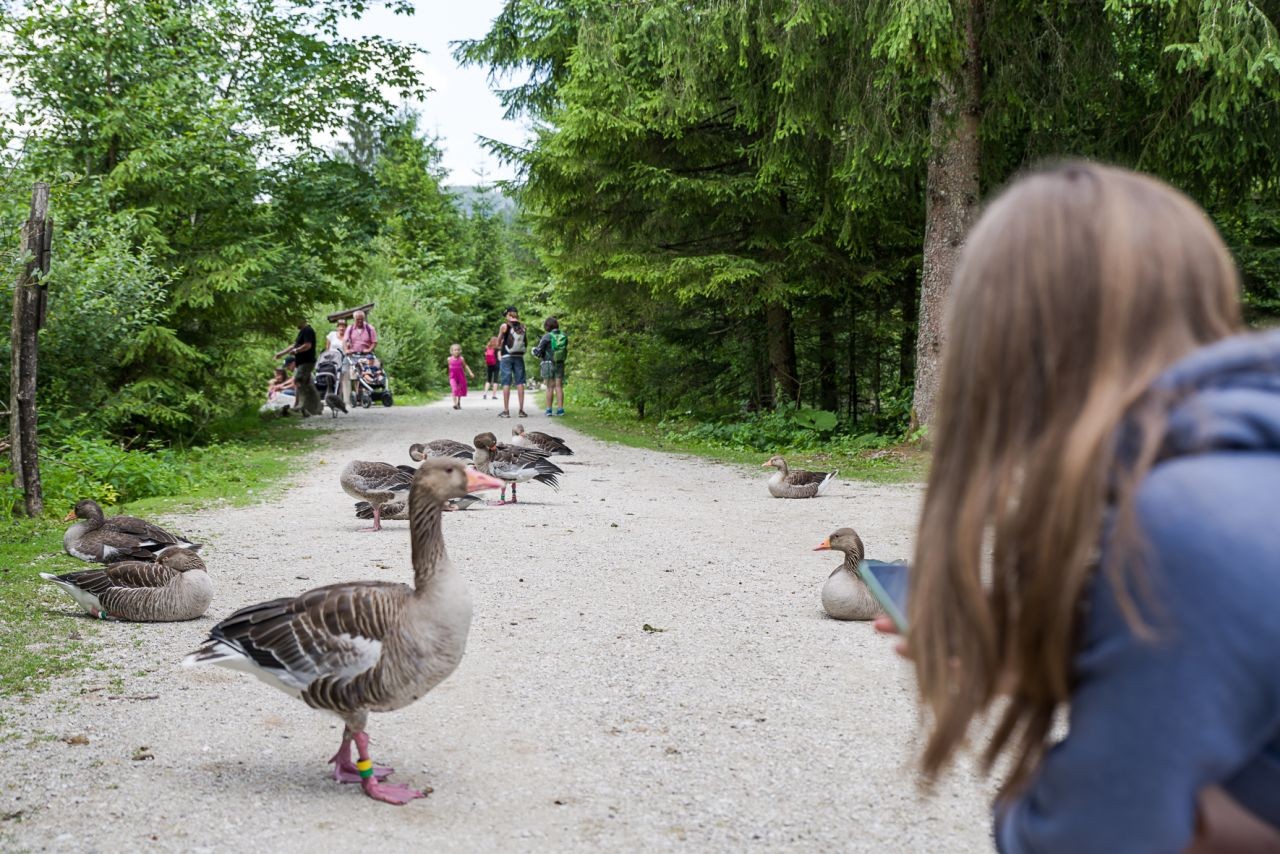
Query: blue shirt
(1154, 720)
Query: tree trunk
(27, 309)
(783, 373)
(951, 199)
(877, 348)
(828, 387)
(853, 363)
(907, 343)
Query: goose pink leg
(391, 793)
(502, 499)
(377, 519)
(345, 771)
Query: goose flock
(368, 646)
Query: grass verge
(41, 635)
(588, 411)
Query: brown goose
(796, 484)
(366, 646)
(175, 586)
(399, 509)
(101, 540)
(440, 448)
(845, 595)
(377, 483)
(553, 445)
(514, 465)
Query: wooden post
(28, 311)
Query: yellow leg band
(365, 767)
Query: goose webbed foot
(391, 793)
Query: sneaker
(504, 414)
(560, 411)
(548, 412)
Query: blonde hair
(1076, 289)
(455, 348)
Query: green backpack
(559, 345)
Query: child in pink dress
(457, 381)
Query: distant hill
(468, 198)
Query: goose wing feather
(800, 477)
(550, 444)
(319, 644)
(370, 477)
(142, 529)
(127, 574)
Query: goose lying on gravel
(364, 646)
(845, 595)
(399, 509)
(553, 445)
(96, 538)
(514, 465)
(377, 483)
(175, 586)
(796, 484)
(440, 448)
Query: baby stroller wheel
(386, 399)
(366, 400)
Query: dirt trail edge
(649, 668)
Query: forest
(746, 213)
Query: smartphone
(888, 584)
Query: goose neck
(426, 542)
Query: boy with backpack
(553, 350)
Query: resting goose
(175, 586)
(553, 445)
(845, 595)
(399, 509)
(377, 483)
(364, 646)
(514, 465)
(440, 448)
(796, 484)
(101, 540)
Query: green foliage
(730, 197)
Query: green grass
(586, 411)
(40, 639)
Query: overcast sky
(461, 108)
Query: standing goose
(175, 586)
(101, 540)
(845, 595)
(440, 448)
(796, 484)
(364, 646)
(553, 445)
(514, 465)
(377, 483)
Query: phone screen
(888, 584)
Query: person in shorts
(552, 352)
(512, 344)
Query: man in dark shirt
(304, 346)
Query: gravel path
(750, 721)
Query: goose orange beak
(478, 480)
(69, 516)
(766, 465)
(824, 546)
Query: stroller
(328, 380)
(371, 380)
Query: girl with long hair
(1099, 533)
